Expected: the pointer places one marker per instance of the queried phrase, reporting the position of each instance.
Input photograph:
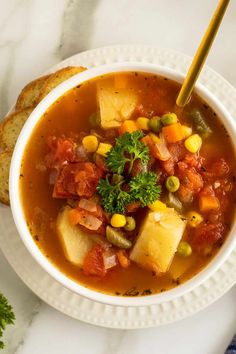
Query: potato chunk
(75, 242)
(116, 104)
(158, 240)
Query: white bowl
(17, 209)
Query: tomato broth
(213, 168)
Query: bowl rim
(17, 208)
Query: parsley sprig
(6, 316)
(128, 149)
(114, 199)
(144, 188)
(118, 192)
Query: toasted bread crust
(5, 161)
(11, 127)
(58, 77)
(29, 96)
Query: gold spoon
(201, 54)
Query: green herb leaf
(114, 199)
(144, 188)
(7, 316)
(127, 149)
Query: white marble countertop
(36, 34)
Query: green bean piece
(116, 238)
(95, 120)
(155, 124)
(173, 202)
(184, 249)
(169, 118)
(172, 184)
(199, 123)
(130, 223)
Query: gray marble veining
(78, 26)
(36, 34)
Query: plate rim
(92, 55)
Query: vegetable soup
(119, 184)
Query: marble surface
(36, 34)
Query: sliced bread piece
(5, 161)
(11, 128)
(29, 96)
(58, 77)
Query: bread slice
(11, 127)
(58, 77)
(29, 96)
(5, 161)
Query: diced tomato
(191, 182)
(207, 191)
(185, 194)
(77, 180)
(169, 166)
(61, 151)
(178, 152)
(207, 235)
(132, 207)
(93, 263)
(219, 168)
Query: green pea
(117, 239)
(169, 118)
(172, 184)
(155, 124)
(184, 249)
(95, 120)
(130, 223)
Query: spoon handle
(201, 54)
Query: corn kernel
(187, 131)
(90, 143)
(157, 205)
(143, 123)
(118, 220)
(193, 143)
(103, 149)
(194, 218)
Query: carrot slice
(173, 133)
(208, 203)
(128, 126)
(147, 140)
(123, 258)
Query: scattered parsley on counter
(7, 316)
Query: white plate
(96, 313)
